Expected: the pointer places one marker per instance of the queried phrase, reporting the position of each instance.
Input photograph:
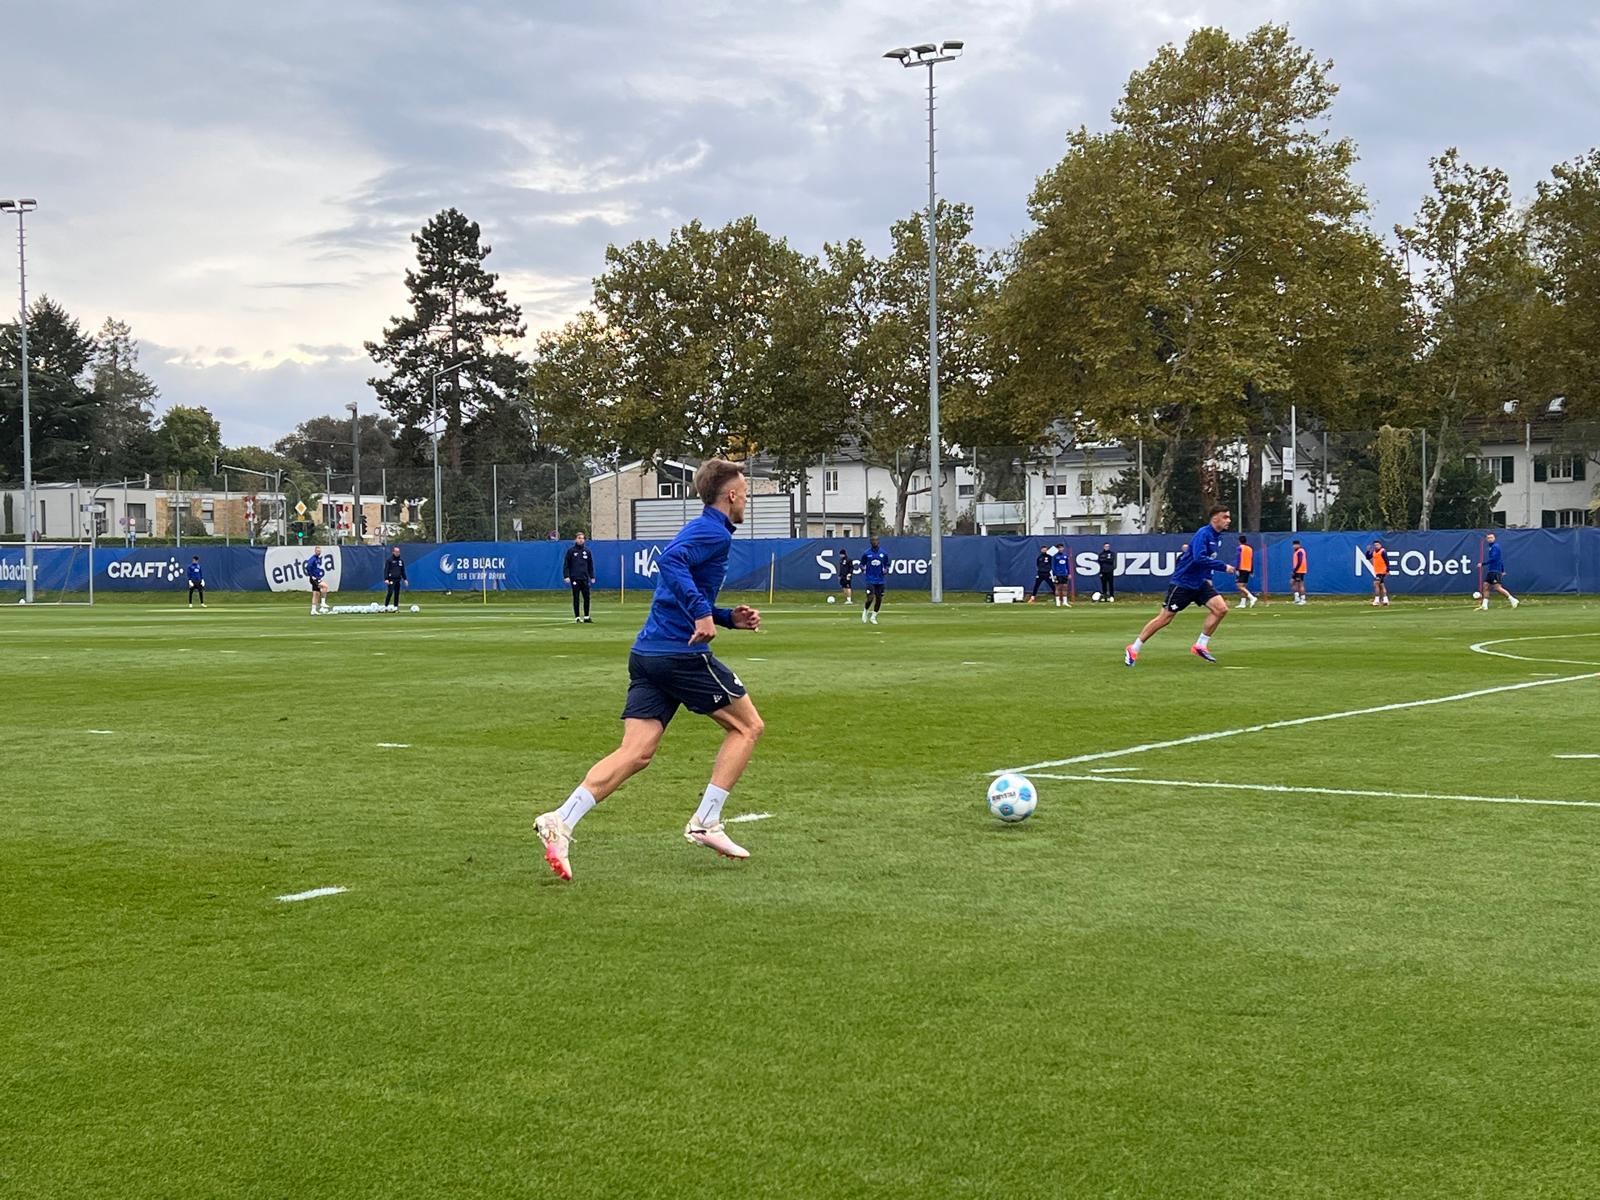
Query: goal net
(62, 572)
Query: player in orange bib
(1246, 562)
(1297, 572)
(1380, 576)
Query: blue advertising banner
(1550, 561)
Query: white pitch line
(1482, 648)
(1279, 788)
(1112, 770)
(748, 817)
(394, 745)
(312, 894)
(1288, 724)
(99, 730)
(1575, 756)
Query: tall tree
(1479, 305)
(60, 405)
(458, 313)
(187, 441)
(124, 399)
(324, 443)
(1187, 266)
(1564, 224)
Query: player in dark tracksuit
(577, 568)
(847, 571)
(197, 582)
(394, 574)
(1041, 574)
(1107, 562)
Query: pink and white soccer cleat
(714, 837)
(1129, 655)
(556, 835)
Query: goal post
(61, 572)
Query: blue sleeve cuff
(723, 617)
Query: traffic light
(363, 524)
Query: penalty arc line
(1285, 789)
(1294, 721)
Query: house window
(1085, 485)
(965, 491)
(1560, 468)
(1499, 467)
(1563, 518)
(1498, 520)
(208, 510)
(667, 491)
(1055, 489)
(830, 482)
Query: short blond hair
(714, 475)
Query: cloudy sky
(239, 180)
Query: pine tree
(458, 313)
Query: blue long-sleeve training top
(689, 574)
(1494, 561)
(195, 574)
(875, 565)
(314, 566)
(1198, 561)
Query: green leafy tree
(1197, 268)
(60, 404)
(324, 443)
(1479, 308)
(124, 399)
(458, 312)
(187, 442)
(1564, 228)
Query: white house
(1540, 486)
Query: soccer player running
(875, 566)
(1061, 575)
(671, 664)
(847, 572)
(1494, 570)
(1107, 562)
(1380, 575)
(1297, 572)
(1041, 573)
(197, 582)
(394, 575)
(314, 574)
(577, 570)
(1191, 584)
(1242, 568)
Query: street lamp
(355, 465)
(929, 55)
(19, 207)
(438, 511)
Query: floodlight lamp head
(953, 47)
(925, 48)
(900, 54)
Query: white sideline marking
(748, 817)
(1334, 716)
(1320, 791)
(312, 894)
(1483, 648)
(1112, 770)
(394, 745)
(1576, 756)
(99, 730)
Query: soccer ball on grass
(416, 608)
(1477, 595)
(1012, 798)
(833, 600)
(1095, 597)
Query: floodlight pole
(20, 207)
(929, 55)
(438, 510)
(355, 464)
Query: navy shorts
(1244, 578)
(875, 589)
(658, 683)
(1297, 576)
(1061, 580)
(1180, 597)
(844, 580)
(1492, 578)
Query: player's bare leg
(1499, 587)
(1155, 625)
(640, 738)
(744, 727)
(1216, 610)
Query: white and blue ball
(1013, 798)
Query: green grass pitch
(1146, 990)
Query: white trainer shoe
(713, 836)
(556, 835)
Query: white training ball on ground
(1013, 798)
(1095, 597)
(833, 599)
(416, 608)
(1477, 595)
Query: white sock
(1203, 640)
(580, 802)
(710, 810)
(1138, 645)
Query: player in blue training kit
(197, 581)
(671, 664)
(314, 574)
(1494, 570)
(875, 567)
(1061, 575)
(1191, 584)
